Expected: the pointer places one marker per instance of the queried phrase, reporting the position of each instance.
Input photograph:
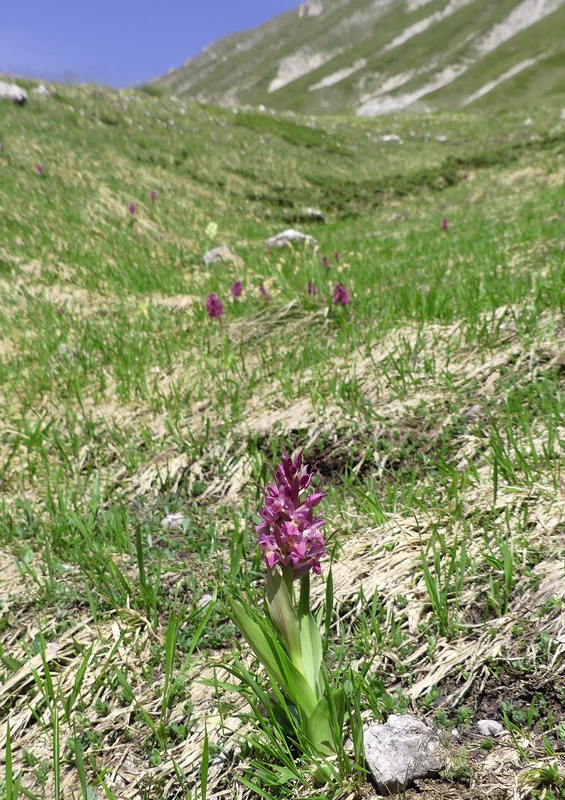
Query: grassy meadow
(431, 408)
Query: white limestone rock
(172, 522)
(204, 601)
(473, 412)
(315, 214)
(402, 749)
(489, 727)
(289, 237)
(13, 92)
(311, 8)
(221, 254)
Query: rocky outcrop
(311, 8)
(13, 92)
(289, 237)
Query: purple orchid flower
(289, 534)
(214, 306)
(341, 295)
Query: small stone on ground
(489, 727)
(13, 92)
(288, 237)
(172, 522)
(221, 254)
(401, 750)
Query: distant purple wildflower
(214, 306)
(444, 224)
(312, 290)
(39, 169)
(264, 293)
(325, 262)
(289, 534)
(153, 195)
(236, 289)
(131, 208)
(336, 255)
(341, 295)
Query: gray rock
(204, 601)
(42, 91)
(13, 92)
(402, 749)
(172, 522)
(288, 237)
(221, 254)
(489, 727)
(65, 352)
(311, 8)
(473, 413)
(315, 214)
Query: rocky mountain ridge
(370, 57)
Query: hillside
(370, 57)
(415, 355)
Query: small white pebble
(172, 522)
(204, 601)
(489, 727)
(473, 412)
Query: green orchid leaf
(312, 653)
(325, 726)
(260, 642)
(283, 614)
(319, 729)
(337, 709)
(274, 658)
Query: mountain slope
(375, 56)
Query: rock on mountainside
(311, 8)
(374, 56)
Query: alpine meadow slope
(415, 355)
(370, 57)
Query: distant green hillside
(375, 56)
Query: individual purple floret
(444, 224)
(39, 169)
(312, 289)
(341, 295)
(236, 289)
(153, 195)
(289, 534)
(131, 208)
(214, 306)
(336, 255)
(325, 262)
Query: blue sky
(118, 42)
